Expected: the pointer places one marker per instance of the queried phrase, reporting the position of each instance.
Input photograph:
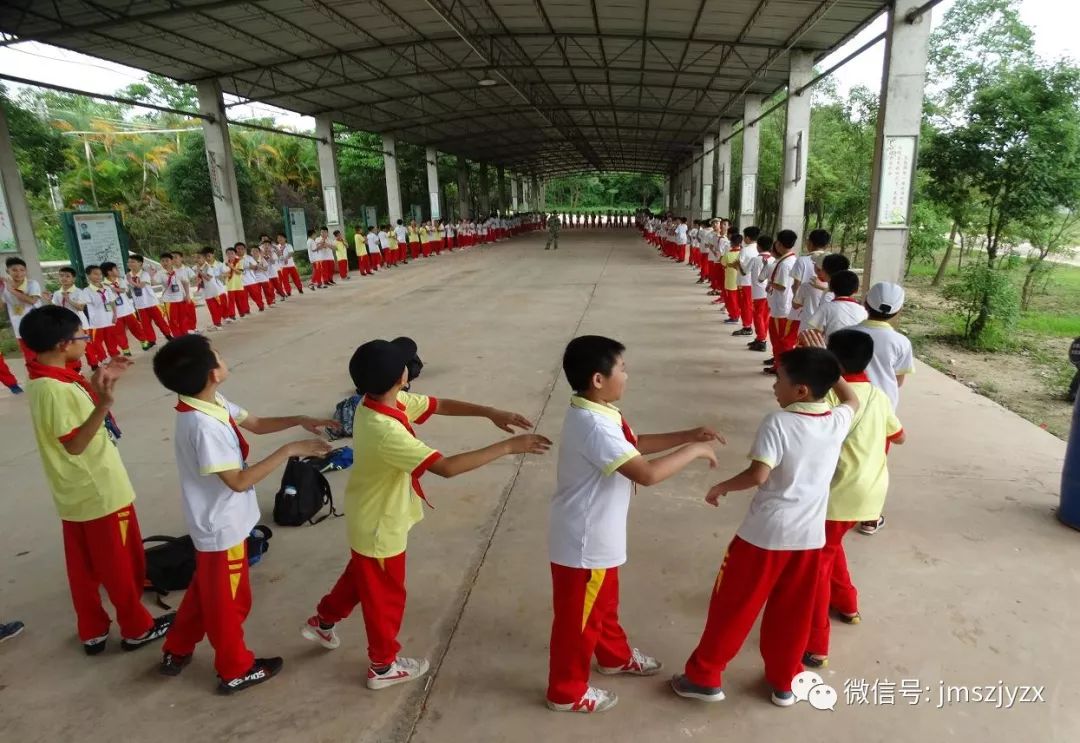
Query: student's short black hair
(135, 257)
(183, 365)
(852, 348)
(282, 234)
(14, 261)
(45, 328)
(240, 244)
(324, 227)
(787, 238)
(764, 242)
(817, 368)
(68, 270)
(264, 238)
(401, 222)
(337, 232)
(844, 283)
(107, 266)
(736, 239)
(834, 263)
(311, 232)
(873, 314)
(587, 355)
(207, 251)
(819, 239)
(230, 250)
(92, 267)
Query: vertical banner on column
(297, 225)
(435, 213)
(7, 232)
(417, 213)
(748, 200)
(706, 198)
(330, 203)
(897, 181)
(371, 216)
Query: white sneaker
(593, 700)
(314, 632)
(638, 665)
(401, 671)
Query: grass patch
(1049, 324)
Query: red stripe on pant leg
(791, 335)
(785, 625)
(746, 577)
(572, 644)
(378, 585)
(117, 561)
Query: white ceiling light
(487, 80)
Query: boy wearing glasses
(76, 438)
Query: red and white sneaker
(313, 631)
(401, 671)
(593, 700)
(638, 665)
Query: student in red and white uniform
(287, 266)
(773, 560)
(760, 267)
(783, 333)
(247, 265)
(744, 279)
(70, 296)
(210, 286)
(21, 294)
(100, 302)
(127, 321)
(262, 274)
(843, 311)
(600, 465)
(141, 279)
(233, 278)
(176, 294)
(324, 247)
(313, 259)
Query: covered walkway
(972, 582)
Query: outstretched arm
(504, 419)
(261, 426)
(753, 476)
(654, 443)
(647, 472)
(458, 464)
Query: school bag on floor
(170, 561)
(303, 494)
(344, 413)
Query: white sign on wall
(749, 194)
(897, 170)
(297, 225)
(330, 203)
(435, 214)
(98, 238)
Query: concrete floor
(972, 582)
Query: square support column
(667, 193)
(501, 199)
(796, 144)
(328, 173)
(897, 144)
(513, 192)
(722, 200)
(751, 146)
(708, 170)
(485, 193)
(535, 200)
(464, 202)
(219, 160)
(432, 157)
(393, 185)
(694, 207)
(13, 197)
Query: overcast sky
(1055, 23)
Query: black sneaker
(95, 645)
(172, 664)
(769, 370)
(743, 331)
(264, 669)
(161, 626)
(769, 362)
(810, 660)
(757, 346)
(686, 688)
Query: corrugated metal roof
(582, 84)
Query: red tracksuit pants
(268, 291)
(6, 377)
(783, 335)
(731, 303)
(239, 300)
(178, 318)
(107, 553)
(834, 587)
(102, 345)
(750, 577)
(217, 307)
(377, 584)
(586, 622)
(761, 319)
(343, 268)
(716, 276)
(289, 273)
(125, 325)
(148, 318)
(255, 294)
(746, 306)
(215, 606)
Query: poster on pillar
(706, 198)
(434, 196)
(7, 232)
(748, 200)
(94, 238)
(371, 216)
(417, 213)
(330, 203)
(297, 222)
(897, 169)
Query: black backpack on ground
(170, 562)
(304, 492)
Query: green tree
(187, 183)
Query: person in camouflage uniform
(553, 226)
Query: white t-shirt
(836, 315)
(174, 286)
(143, 295)
(16, 308)
(809, 297)
(780, 274)
(680, 234)
(746, 257)
(312, 252)
(384, 240)
(801, 443)
(892, 357)
(123, 303)
(588, 510)
(217, 517)
(285, 252)
(247, 267)
(69, 299)
(262, 270)
(372, 240)
(99, 306)
(401, 234)
(210, 275)
(324, 248)
(760, 268)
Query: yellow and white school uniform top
(589, 508)
(840, 313)
(779, 286)
(801, 445)
(145, 297)
(100, 302)
(16, 308)
(893, 357)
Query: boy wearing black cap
(382, 500)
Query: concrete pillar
(896, 147)
(464, 202)
(722, 190)
(219, 159)
(13, 203)
(688, 188)
(667, 192)
(751, 146)
(393, 186)
(542, 198)
(433, 182)
(500, 187)
(796, 144)
(708, 160)
(535, 200)
(328, 173)
(694, 207)
(485, 193)
(513, 192)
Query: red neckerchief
(629, 433)
(37, 370)
(183, 407)
(777, 266)
(859, 377)
(846, 299)
(101, 293)
(398, 413)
